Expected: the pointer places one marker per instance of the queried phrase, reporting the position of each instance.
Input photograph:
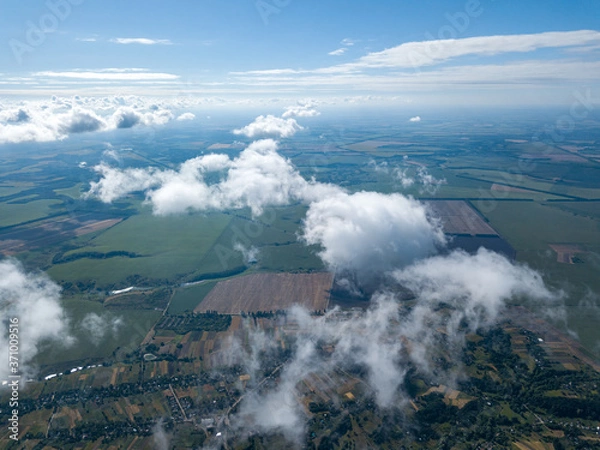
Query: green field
(168, 249)
(532, 226)
(187, 298)
(13, 214)
(126, 335)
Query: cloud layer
(257, 178)
(57, 119)
(270, 126)
(454, 295)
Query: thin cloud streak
(141, 41)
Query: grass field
(527, 182)
(122, 329)
(169, 248)
(13, 214)
(187, 298)
(533, 226)
(73, 192)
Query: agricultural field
(155, 305)
(459, 218)
(269, 293)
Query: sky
(481, 52)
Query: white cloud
(34, 300)
(415, 119)
(116, 183)
(186, 116)
(367, 233)
(142, 41)
(426, 53)
(302, 109)
(97, 327)
(454, 294)
(437, 64)
(429, 183)
(270, 126)
(405, 179)
(160, 437)
(250, 254)
(475, 288)
(44, 125)
(113, 75)
(338, 52)
(257, 178)
(60, 118)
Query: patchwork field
(269, 292)
(459, 218)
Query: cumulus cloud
(302, 109)
(270, 126)
(43, 125)
(186, 116)
(60, 118)
(405, 179)
(34, 300)
(127, 117)
(428, 184)
(368, 233)
(116, 183)
(258, 177)
(473, 289)
(415, 119)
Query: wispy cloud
(338, 52)
(427, 53)
(142, 41)
(87, 39)
(109, 74)
(436, 62)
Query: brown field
(269, 292)
(11, 246)
(533, 445)
(93, 226)
(565, 253)
(459, 218)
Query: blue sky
(303, 49)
